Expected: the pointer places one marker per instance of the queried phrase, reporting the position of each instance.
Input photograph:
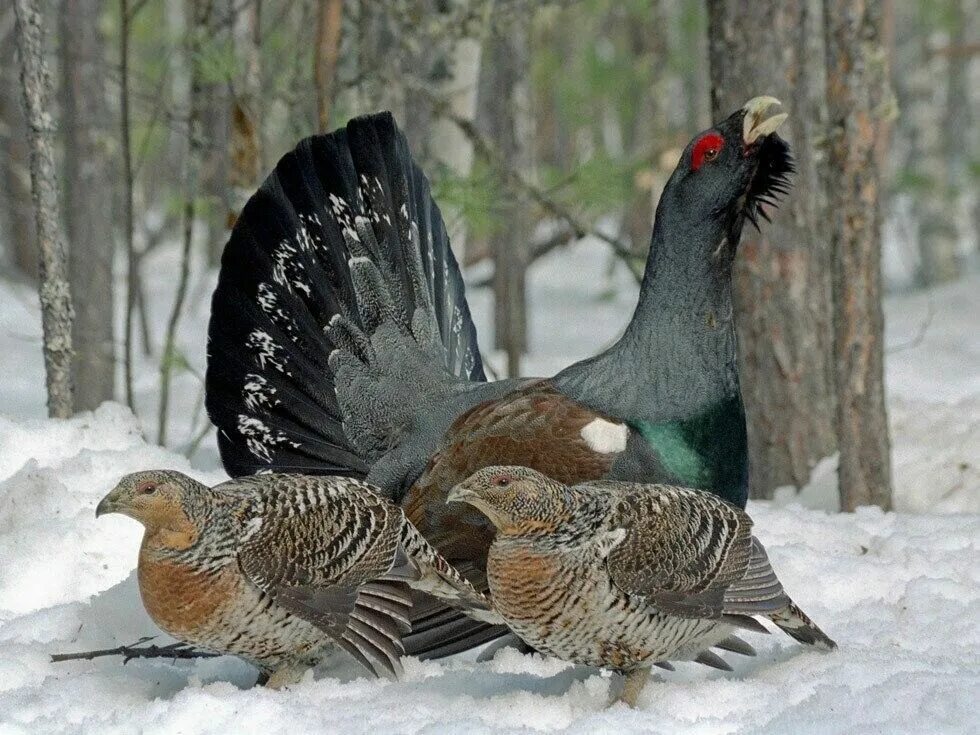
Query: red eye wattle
(707, 148)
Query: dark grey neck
(677, 356)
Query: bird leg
(633, 684)
(285, 675)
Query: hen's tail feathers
(435, 576)
(340, 262)
(796, 624)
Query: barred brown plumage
(625, 575)
(275, 568)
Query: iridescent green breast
(708, 451)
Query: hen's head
(164, 501)
(515, 499)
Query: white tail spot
(604, 436)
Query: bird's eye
(501, 481)
(147, 488)
(706, 149)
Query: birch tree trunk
(856, 102)
(450, 146)
(56, 308)
(782, 274)
(88, 201)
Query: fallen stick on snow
(137, 650)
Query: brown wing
(535, 426)
(328, 550)
(690, 553)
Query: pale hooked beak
(459, 494)
(106, 505)
(755, 124)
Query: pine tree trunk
(56, 308)
(88, 201)
(856, 101)
(215, 102)
(782, 274)
(245, 166)
(645, 124)
(507, 63)
(330, 14)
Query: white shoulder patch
(604, 436)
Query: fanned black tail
(341, 241)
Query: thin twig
(200, 20)
(195, 443)
(127, 158)
(137, 650)
(920, 333)
(559, 239)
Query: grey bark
(56, 307)
(857, 101)
(782, 274)
(507, 64)
(88, 201)
(15, 178)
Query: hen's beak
(106, 505)
(460, 494)
(756, 124)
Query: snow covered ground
(900, 592)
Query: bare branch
(137, 650)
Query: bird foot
(285, 676)
(633, 683)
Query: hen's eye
(147, 488)
(501, 481)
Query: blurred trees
(538, 123)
